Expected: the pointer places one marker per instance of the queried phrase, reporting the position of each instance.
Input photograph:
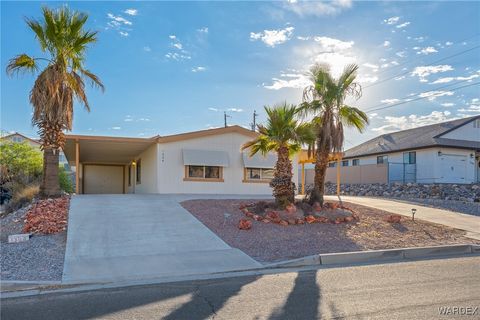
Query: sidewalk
(456, 220)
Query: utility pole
(254, 124)
(225, 116)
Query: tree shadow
(399, 227)
(303, 301)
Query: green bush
(20, 162)
(65, 180)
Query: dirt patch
(268, 242)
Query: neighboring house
(19, 138)
(208, 161)
(446, 152)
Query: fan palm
(324, 101)
(61, 35)
(285, 135)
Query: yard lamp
(413, 213)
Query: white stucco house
(447, 152)
(208, 161)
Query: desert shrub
(64, 180)
(22, 195)
(20, 163)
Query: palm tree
(62, 37)
(324, 101)
(285, 135)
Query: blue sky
(171, 67)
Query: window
(203, 173)
(17, 139)
(344, 163)
(476, 124)
(258, 175)
(129, 175)
(410, 157)
(382, 159)
(139, 171)
(332, 164)
(355, 162)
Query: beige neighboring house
(208, 161)
(19, 138)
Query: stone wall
(458, 192)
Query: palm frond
(21, 63)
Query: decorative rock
(283, 223)
(393, 218)
(291, 208)
(266, 221)
(310, 219)
(291, 221)
(256, 217)
(244, 224)
(299, 221)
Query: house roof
(24, 136)
(106, 149)
(417, 138)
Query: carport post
(77, 167)
(339, 162)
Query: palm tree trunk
(321, 166)
(50, 186)
(283, 187)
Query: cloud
(372, 66)
(424, 71)
(172, 36)
(334, 44)
(119, 19)
(403, 25)
(474, 107)
(273, 37)
(178, 46)
(447, 104)
(448, 43)
(450, 79)
(289, 81)
(203, 30)
(213, 109)
(399, 78)
(123, 33)
(386, 43)
(177, 56)
(147, 49)
(317, 8)
(401, 54)
(131, 12)
(198, 69)
(392, 20)
(235, 110)
(303, 38)
(427, 50)
(181, 53)
(432, 95)
(116, 128)
(119, 23)
(393, 124)
(366, 79)
(390, 101)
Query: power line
(420, 98)
(430, 64)
(433, 89)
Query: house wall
(149, 167)
(171, 171)
(466, 132)
(430, 166)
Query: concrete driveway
(134, 236)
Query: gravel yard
(39, 259)
(268, 242)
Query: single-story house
(447, 152)
(207, 161)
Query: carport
(104, 164)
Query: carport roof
(104, 149)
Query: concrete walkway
(131, 237)
(456, 220)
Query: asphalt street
(406, 290)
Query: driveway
(134, 236)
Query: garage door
(102, 179)
(453, 168)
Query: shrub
(20, 163)
(65, 180)
(22, 196)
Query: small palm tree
(324, 101)
(285, 135)
(62, 37)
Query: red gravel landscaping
(268, 242)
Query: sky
(173, 67)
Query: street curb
(379, 255)
(295, 265)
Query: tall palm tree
(285, 135)
(61, 35)
(324, 101)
